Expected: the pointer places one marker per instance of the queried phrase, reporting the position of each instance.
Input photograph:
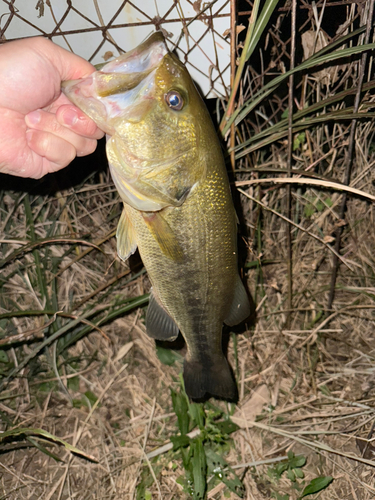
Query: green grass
(200, 444)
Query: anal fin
(240, 308)
(159, 325)
(126, 240)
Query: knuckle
(38, 43)
(70, 154)
(88, 148)
(44, 140)
(92, 146)
(54, 127)
(58, 150)
(85, 126)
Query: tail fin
(209, 378)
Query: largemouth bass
(167, 165)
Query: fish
(167, 164)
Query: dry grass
(318, 374)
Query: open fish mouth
(110, 92)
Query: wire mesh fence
(98, 30)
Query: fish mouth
(108, 93)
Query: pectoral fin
(164, 235)
(126, 241)
(240, 308)
(159, 325)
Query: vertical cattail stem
(233, 39)
(289, 166)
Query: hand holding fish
(41, 131)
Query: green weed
(293, 470)
(199, 446)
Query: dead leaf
(328, 239)
(340, 223)
(197, 6)
(123, 351)
(312, 42)
(108, 55)
(366, 448)
(253, 407)
(240, 28)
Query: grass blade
(261, 25)
(15, 434)
(199, 468)
(312, 62)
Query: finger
(72, 117)
(69, 65)
(53, 148)
(32, 71)
(46, 122)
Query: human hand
(40, 130)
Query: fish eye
(174, 100)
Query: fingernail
(70, 117)
(34, 117)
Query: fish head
(155, 121)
